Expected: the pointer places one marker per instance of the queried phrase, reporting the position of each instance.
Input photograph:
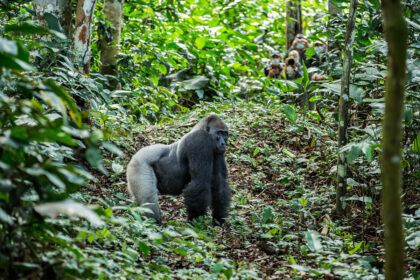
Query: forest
(198, 139)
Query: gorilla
(194, 166)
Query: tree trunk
(293, 21)
(396, 37)
(60, 9)
(109, 44)
(343, 109)
(83, 30)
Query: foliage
(41, 134)
(178, 62)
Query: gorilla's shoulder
(196, 140)
(197, 136)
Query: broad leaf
(290, 113)
(314, 241)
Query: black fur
(194, 166)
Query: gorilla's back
(172, 175)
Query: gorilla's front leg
(197, 197)
(220, 190)
(199, 151)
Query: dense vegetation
(66, 138)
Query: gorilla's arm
(198, 149)
(220, 189)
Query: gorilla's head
(217, 129)
(220, 137)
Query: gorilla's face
(220, 137)
(218, 131)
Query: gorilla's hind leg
(142, 185)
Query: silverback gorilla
(194, 166)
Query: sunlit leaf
(162, 68)
(416, 144)
(313, 240)
(200, 42)
(5, 218)
(69, 208)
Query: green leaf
(91, 237)
(112, 148)
(306, 80)
(69, 208)
(358, 245)
(228, 273)
(303, 201)
(30, 29)
(310, 52)
(357, 94)
(67, 100)
(9, 47)
(5, 218)
(52, 22)
(55, 135)
(180, 252)
(416, 144)
(414, 273)
(290, 113)
(369, 153)
(314, 241)
(333, 87)
(267, 215)
(13, 63)
(200, 93)
(408, 115)
(26, 28)
(217, 268)
(196, 83)
(200, 42)
(365, 199)
(354, 152)
(162, 68)
(94, 158)
(154, 79)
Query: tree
(293, 21)
(61, 9)
(83, 27)
(396, 37)
(343, 109)
(110, 37)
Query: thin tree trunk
(293, 21)
(343, 109)
(59, 8)
(109, 45)
(396, 37)
(83, 30)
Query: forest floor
(282, 223)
